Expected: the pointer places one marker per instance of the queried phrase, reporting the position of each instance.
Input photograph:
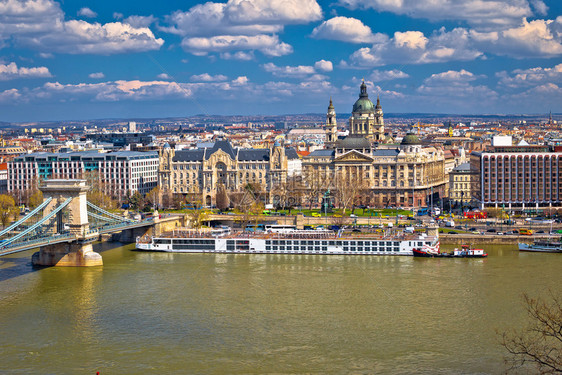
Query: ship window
(396, 249)
(325, 248)
(267, 247)
(420, 244)
(332, 243)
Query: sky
(94, 59)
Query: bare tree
(153, 197)
(197, 216)
(539, 345)
(223, 201)
(316, 183)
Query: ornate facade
(367, 119)
(198, 173)
(375, 175)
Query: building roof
(464, 167)
(324, 153)
(410, 139)
(353, 142)
(291, 153)
(189, 155)
(224, 146)
(386, 152)
(253, 154)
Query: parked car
(453, 232)
(491, 230)
(500, 233)
(315, 214)
(352, 215)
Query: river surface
(157, 313)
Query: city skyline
(85, 60)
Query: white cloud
(163, 76)
(11, 71)
(40, 24)
(478, 13)
(240, 55)
(206, 77)
(81, 37)
(413, 47)
(531, 77)
(455, 84)
(240, 25)
(140, 21)
(451, 76)
(46, 55)
(243, 17)
(346, 29)
(538, 38)
(267, 44)
(87, 12)
(289, 71)
(324, 66)
(97, 75)
(240, 81)
(387, 75)
(9, 95)
(118, 16)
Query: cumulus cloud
(206, 77)
(413, 47)
(87, 12)
(10, 95)
(163, 76)
(307, 72)
(81, 37)
(388, 75)
(324, 66)
(289, 71)
(240, 55)
(240, 81)
(346, 29)
(140, 21)
(538, 38)
(452, 76)
(243, 17)
(455, 84)
(537, 76)
(269, 45)
(240, 25)
(40, 24)
(478, 13)
(11, 71)
(97, 75)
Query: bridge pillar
(78, 252)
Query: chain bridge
(64, 226)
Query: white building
(121, 173)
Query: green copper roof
(363, 104)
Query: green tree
(8, 209)
(153, 197)
(197, 216)
(538, 347)
(223, 201)
(35, 199)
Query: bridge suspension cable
(26, 217)
(104, 212)
(37, 224)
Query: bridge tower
(78, 252)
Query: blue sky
(73, 60)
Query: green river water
(157, 313)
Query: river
(156, 313)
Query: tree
(153, 197)
(539, 345)
(197, 216)
(7, 209)
(35, 199)
(223, 202)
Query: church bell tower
(331, 126)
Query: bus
(274, 228)
(423, 211)
(526, 232)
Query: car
(540, 231)
(452, 232)
(352, 215)
(500, 233)
(472, 230)
(356, 230)
(336, 215)
(315, 214)
(491, 230)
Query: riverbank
(455, 239)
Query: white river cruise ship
(288, 240)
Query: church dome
(410, 139)
(363, 104)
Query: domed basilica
(375, 173)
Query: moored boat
(542, 247)
(464, 252)
(287, 241)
